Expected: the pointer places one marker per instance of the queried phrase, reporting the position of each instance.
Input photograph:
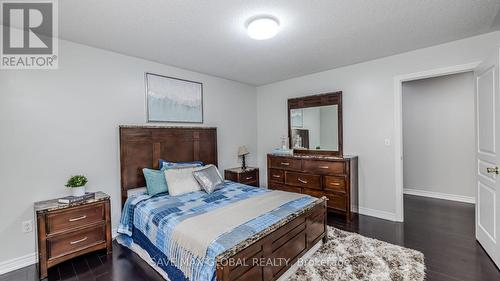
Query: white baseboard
(29, 259)
(438, 195)
(375, 213)
(17, 263)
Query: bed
(262, 248)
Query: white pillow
(181, 181)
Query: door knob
(492, 170)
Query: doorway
(398, 123)
(439, 137)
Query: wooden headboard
(143, 147)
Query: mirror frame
(334, 98)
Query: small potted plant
(77, 185)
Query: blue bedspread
(149, 221)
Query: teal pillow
(155, 181)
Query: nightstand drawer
(74, 218)
(75, 241)
(248, 177)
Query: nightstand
(67, 231)
(249, 176)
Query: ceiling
(210, 36)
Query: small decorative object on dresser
(242, 152)
(65, 231)
(249, 176)
(77, 185)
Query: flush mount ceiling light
(263, 27)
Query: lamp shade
(242, 151)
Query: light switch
(387, 142)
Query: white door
(488, 156)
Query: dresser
(248, 176)
(67, 231)
(333, 177)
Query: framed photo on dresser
(174, 100)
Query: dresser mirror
(315, 124)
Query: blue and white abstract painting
(174, 100)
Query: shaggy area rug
(350, 256)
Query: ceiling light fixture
(263, 27)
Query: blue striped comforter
(149, 221)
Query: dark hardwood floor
(442, 230)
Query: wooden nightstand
(67, 231)
(249, 176)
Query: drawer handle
(323, 167)
(301, 180)
(285, 163)
(276, 176)
(249, 178)
(335, 183)
(78, 241)
(78, 218)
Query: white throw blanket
(194, 235)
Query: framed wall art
(173, 100)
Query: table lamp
(242, 152)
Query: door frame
(398, 122)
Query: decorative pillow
(181, 180)
(155, 181)
(209, 178)
(164, 164)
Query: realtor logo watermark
(29, 35)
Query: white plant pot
(78, 191)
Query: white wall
(368, 108)
(438, 134)
(62, 122)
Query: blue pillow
(164, 164)
(155, 181)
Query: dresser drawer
(323, 167)
(303, 180)
(77, 217)
(334, 183)
(277, 175)
(286, 163)
(335, 201)
(75, 241)
(288, 188)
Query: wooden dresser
(68, 231)
(333, 177)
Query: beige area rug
(350, 256)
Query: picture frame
(173, 100)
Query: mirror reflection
(315, 128)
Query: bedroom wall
(438, 136)
(368, 108)
(56, 123)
